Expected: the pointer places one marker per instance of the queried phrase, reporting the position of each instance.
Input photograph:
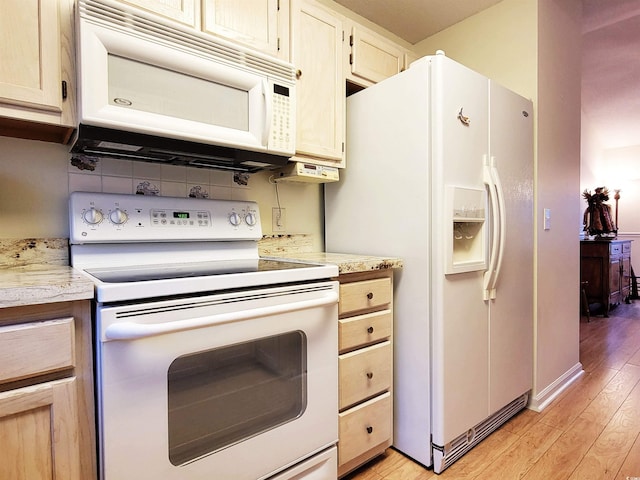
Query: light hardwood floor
(591, 431)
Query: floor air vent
(445, 457)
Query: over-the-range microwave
(153, 90)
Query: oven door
(235, 385)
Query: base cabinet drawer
(366, 329)
(364, 295)
(364, 373)
(364, 427)
(35, 348)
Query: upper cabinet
(371, 57)
(259, 24)
(37, 78)
(328, 49)
(183, 11)
(316, 52)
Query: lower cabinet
(38, 428)
(46, 393)
(365, 367)
(365, 428)
(605, 271)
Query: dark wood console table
(605, 266)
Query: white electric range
(211, 362)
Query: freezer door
(460, 328)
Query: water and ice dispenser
(465, 223)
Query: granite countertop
(346, 262)
(36, 284)
(36, 271)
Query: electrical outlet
(278, 219)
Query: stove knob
(118, 216)
(251, 219)
(93, 216)
(234, 219)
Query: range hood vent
(98, 142)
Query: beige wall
(533, 47)
(500, 43)
(33, 189)
(559, 37)
(35, 180)
(615, 169)
(590, 154)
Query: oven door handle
(133, 331)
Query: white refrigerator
(439, 172)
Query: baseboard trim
(542, 400)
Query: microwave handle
(268, 112)
(133, 331)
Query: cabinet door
(372, 57)
(36, 57)
(625, 280)
(316, 54)
(254, 23)
(614, 280)
(183, 11)
(30, 53)
(38, 432)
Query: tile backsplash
(126, 176)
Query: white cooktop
(135, 246)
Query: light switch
(547, 218)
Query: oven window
(226, 395)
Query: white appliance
(153, 90)
(440, 173)
(210, 361)
(306, 173)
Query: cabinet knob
(369, 375)
(370, 330)
(370, 295)
(298, 73)
(369, 429)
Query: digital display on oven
(183, 215)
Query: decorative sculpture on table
(597, 217)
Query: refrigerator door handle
(502, 220)
(495, 233)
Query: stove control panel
(119, 218)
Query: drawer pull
(370, 295)
(369, 375)
(369, 430)
(370, 330)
